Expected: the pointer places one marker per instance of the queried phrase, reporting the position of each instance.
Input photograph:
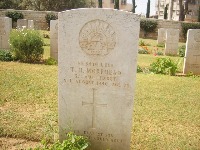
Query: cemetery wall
(37, 16)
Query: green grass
(166, 108)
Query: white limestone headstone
(54, 39)
(172, 39)
(22, 23)
(192, 53)
(5, 29)
(161, 35)
(30, 24)
(97, 67)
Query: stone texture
(5, 29)
(171, 44)
(161, 36)
(97, 68)
(22, 23)
(30, 24)
(192, 54)
(54, 39)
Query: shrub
(49, 17)
(5, 55)
(164, 66)
(148, 26)
(14, 15)
(27, 45)
(181, 51)
(187, 26)
(50, 61)
(73, 142)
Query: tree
(100, 4)
(148, 9)
(134, 6)
(116, 6)
(165, 12)
(181, 13)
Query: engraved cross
(94, 106)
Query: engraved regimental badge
(97, 37)
(197, 37)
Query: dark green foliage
(134, 6)
(14, 15)
(100, 4)
(164, 66)
(187, 26)
(10, 4)
(148, 26)
(181, 51)
(5, 55)
(27, 45)
(165, 12)
(148, 9)
(116, 6)
(73, 142)
(49, 17)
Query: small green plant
(143, 43)
(49, 17)
(50, 61)
(143, 51)
(14, 15)
(73, 142)
(181, 51)
(164, 66)
(148, 26)
(159, 53)
(5, 55)
(27, 45)
(139, 69)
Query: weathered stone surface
(54, 39)
(192, 54)
(22, 23)
(161, 36)
(5, 29)
(30, 24)
(171, 44)
(97, 68)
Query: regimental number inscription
(97, 37)
(197, 37)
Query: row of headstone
(24, 23)
(97, 69)
(169, 37)
(5, 29)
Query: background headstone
(172, 39)
(30, 24)
(5, 29)
(97, 68)
(161, 35)
(192, 53)
(22, 23)
(54, 39)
